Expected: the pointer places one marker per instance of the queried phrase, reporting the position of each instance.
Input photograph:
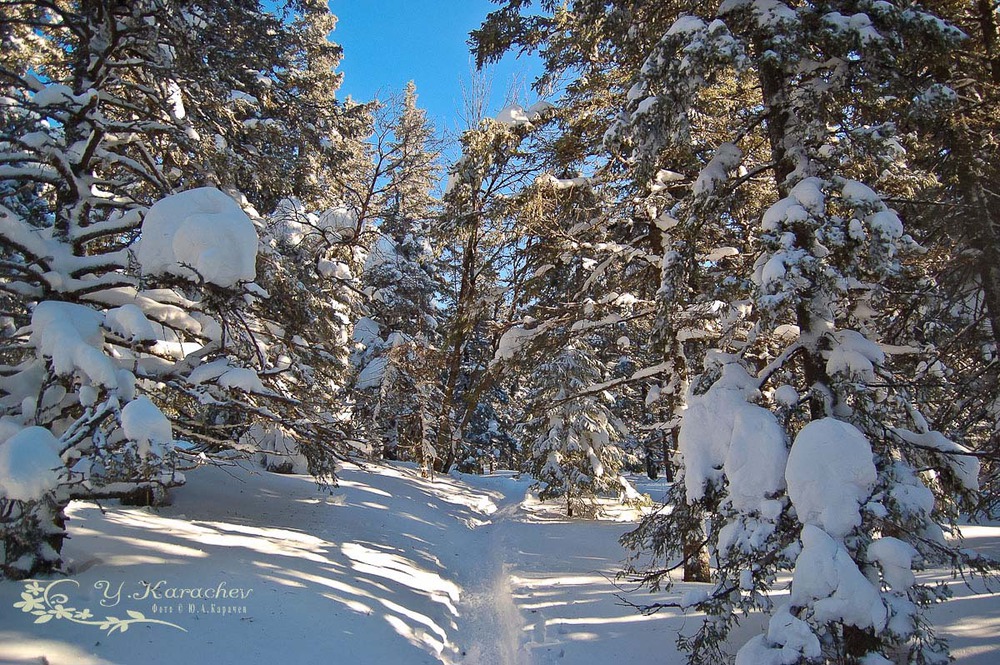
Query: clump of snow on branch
(130, 323)
(788, 640)
(827, 579)
(226, 375)
(201, 234)
(71, 336)
(965, 467)
(830, 475)
(723, 434)
(727, 157)
(29, 465)
(516, 115)
(143, 422)
(895, 558)
(853, 354)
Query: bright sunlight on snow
(388, 568)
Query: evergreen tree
(592, 212)
(953, 150)
(397, 358)
(119, 349)
(570, 439)
(771, 311)
(482, 264)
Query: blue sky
(389, 42)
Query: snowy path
(492, 627)
(391, 568)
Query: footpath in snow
(249, 567)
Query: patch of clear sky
(390, 42)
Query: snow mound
(830, 474)
(199, 234)
(29, 463)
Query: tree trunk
(988, 24)
(980, 224)
(775, 98)
(457, 338)
(665, 442)
(696, 563)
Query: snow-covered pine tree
(828, 246)
(399, 336)
(569, 439)
(413, 160)
(301, 323)
(621, 226)
(621, 216)
(732, 107)
(263, 119)
(396, 386)
(97, 136)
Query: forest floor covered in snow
(250, 567)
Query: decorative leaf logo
(41, 600)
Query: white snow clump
(723, 433)
(830, 475)
(828, 580)
(144, 423)
(200, 234)
(29, 464)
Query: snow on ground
(389, 568)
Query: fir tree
(121, 348)
(757, 138)
(397, 359)
(570, 439)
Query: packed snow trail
(248, 567)
(492, 627)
